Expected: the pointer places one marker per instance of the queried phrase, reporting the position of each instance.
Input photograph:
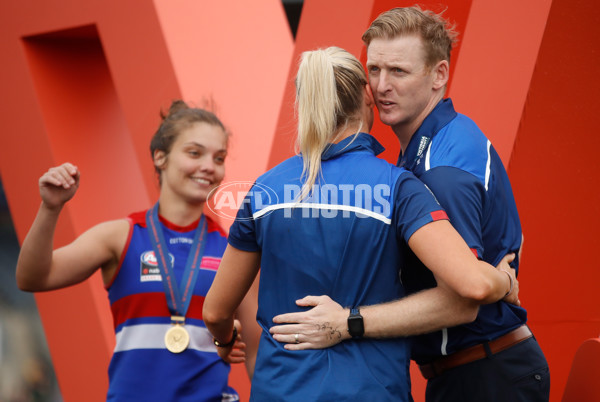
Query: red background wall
(84, 80)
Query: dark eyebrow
(197, 144)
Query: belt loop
(488, 350)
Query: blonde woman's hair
(329, 96)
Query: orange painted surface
(555, 172)
(82, 82)
(493, 73)
(322, 24)
(582, 383)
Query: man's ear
(160, 159)
(441, 74)
(369, 99)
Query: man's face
(402, 85)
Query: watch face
(355, 325)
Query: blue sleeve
(242, 234)
(462, 196)
(414, 206)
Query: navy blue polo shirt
(344, 241)
(451, 155)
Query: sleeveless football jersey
(142, 369)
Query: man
(496, 357)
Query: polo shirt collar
(360, 142)
(440, 116)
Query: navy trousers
(517, 374)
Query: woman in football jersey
(157, 266)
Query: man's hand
(325, 325)
(504, 265)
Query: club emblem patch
(149, 270)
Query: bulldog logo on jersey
(149, 270)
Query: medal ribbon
(177, 301)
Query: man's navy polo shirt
(451, 155)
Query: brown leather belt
(477, 352)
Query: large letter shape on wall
(84, 82)
(555, 171)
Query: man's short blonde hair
(437, 34)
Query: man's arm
(325, 324)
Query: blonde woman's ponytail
(316, 105)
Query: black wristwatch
(356, 327)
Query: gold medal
(177, 339)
